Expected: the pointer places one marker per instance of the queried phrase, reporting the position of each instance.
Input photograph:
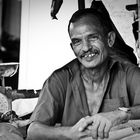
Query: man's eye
(76, 42)
(94, 37)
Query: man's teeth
(90, 55)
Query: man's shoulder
(66, 71)
(124, 66)
(71, 67)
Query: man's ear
(111, 38)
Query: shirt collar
(74, 66)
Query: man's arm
(95, 126)
(38, 131)
(133, 88)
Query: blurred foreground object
(9, 132)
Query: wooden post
(81, 4)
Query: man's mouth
(90, 54)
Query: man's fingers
(107, 129)
(101, 130)
(97, 127)
(94, 131)
(84, 123)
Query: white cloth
(24, 106)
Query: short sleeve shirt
(63, 98)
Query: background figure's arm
(133, 88)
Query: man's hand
(76, 133)
(100, 124)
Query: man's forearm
(38, 131)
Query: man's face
(88, 41)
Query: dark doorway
(10, 37)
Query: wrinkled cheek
(104, 55)
(77, 53)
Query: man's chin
(89, 65)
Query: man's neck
(95, 75)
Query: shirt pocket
(112, 104)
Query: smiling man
(91, 94)
(88, 42)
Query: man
(85, 95)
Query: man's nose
(86, 45)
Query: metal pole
(0, 21)
(81, 4)
(138, 2)
(3, 81)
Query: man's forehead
(90, 17)
(90, 20)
